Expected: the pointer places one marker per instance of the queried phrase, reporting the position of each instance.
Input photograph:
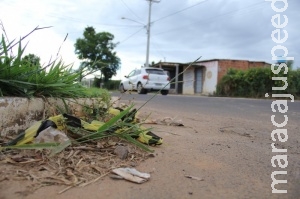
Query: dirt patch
(230, 157)
(74, 167)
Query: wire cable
(211, 19)
(130, 10)
(179, 11)
(121, 42)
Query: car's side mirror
(126, 76)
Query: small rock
(132, 164)
(121, 152)
(151, 155)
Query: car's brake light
(168, 78)
(145, 77)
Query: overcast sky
(181, 30)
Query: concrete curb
(17, 114)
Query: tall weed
(19, 78)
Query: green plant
(20, 78)
(255, 82)
(117, 126)
(112, 84)
(96, 50)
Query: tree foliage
(31, 60)
(96, 50)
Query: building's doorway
(198, 80)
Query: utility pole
(148, 31)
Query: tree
(31, 60)
(97, 52)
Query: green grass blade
(135, 142)
(60, 147)
(107, 125)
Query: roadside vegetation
(256, 82)
(24, 76)
(96, 52)
(106, 137)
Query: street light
(147, 29)
(134, 21)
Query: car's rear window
(155, 71)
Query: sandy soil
(229, 158)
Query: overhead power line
(210, 19)
(121, 42)
(130, 9)
(179, 11)
(157, 49)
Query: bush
(109, 85)
(294, 82)
(112, 84)
(255, 82)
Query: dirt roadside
(230, 158)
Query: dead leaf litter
(75, 166)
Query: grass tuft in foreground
(22, 79)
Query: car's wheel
(122, 90)
(164, 92)
(140, 89)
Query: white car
(146, 79)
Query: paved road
(226, 121)
(233, 140)
(259, 109)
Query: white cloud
(213, 29)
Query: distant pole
(148, 31)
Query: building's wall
(258, 64)
(224, 65)
(210, 77)
(188, 81)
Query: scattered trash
(131, 174)
(79, 129)
(76, 152)
(194, 178)
(117, 177)
(51, 134)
